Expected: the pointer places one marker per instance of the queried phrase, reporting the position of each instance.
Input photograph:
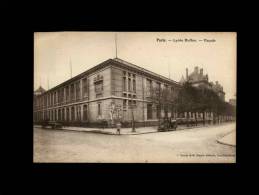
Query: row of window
(130, 103)
(131, 79)
(66, 94)
(73, 113)
(80, 89)
(152, 89)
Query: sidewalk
(229, 139)
(126, 131)
(112, 131)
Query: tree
(202, 99)
(162, 97)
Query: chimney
(201, 71)
(186, 73)
(196, 69)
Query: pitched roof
(116, 61)
(144, 70)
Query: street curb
(109, 133)
(220, 142)
(91, 131)
(225, 143)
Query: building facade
(198, 79)
(112, 90)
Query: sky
(55, 51)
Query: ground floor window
(72, 113)
(85, 113)
(124, 104)
(99, 109)
(172, 110)
(67, 114)
(166, 111)
(56, 113)
(63, 114)
(158, 111)
(59, 114)
(53, 116)
(149, 111)
(78, 113)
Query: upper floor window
(85, 87)
(149, 111)
(124, 84)
(53, 98)
(56, 97)
(134, 85)
(67, 93)
(78, 90)
(124, 103)
(72, 94)
(149, 87)
(129, 84)
(98, 85)
(59, 95)
(62, 95)
(158, 85)
(172, 90)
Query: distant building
(217, 88)
(39, 91)
(233, 102)
(198, 79)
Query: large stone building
(113, 89)
(198, 79)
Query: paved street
(190, 145)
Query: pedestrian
(118, 125)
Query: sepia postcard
(134, 97)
